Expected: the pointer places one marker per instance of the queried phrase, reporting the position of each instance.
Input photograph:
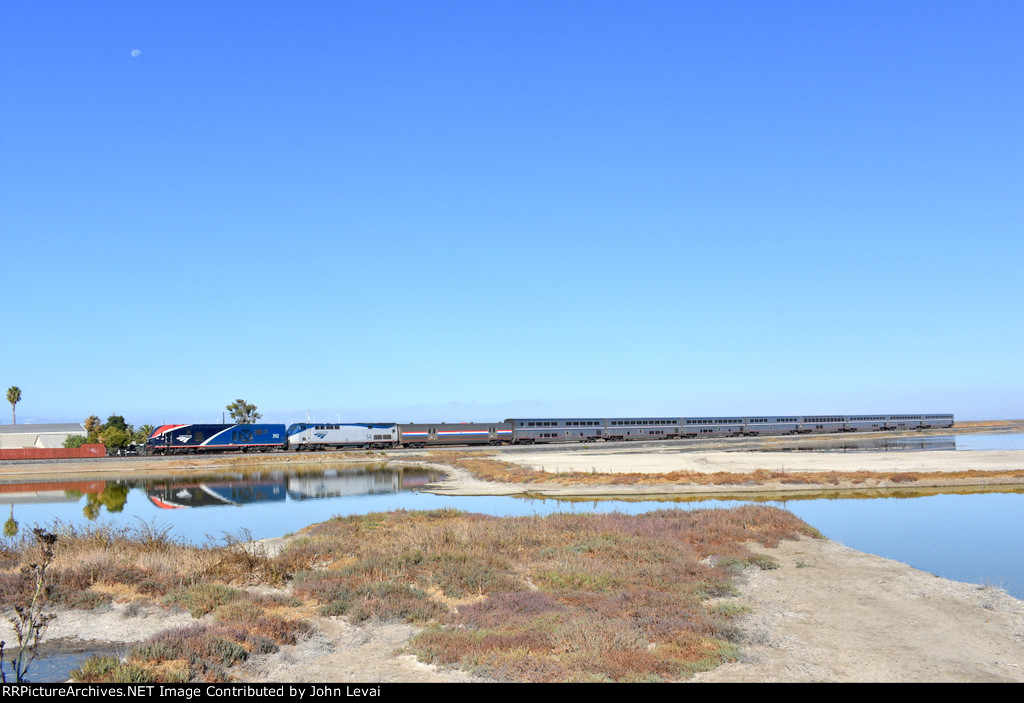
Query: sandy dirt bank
(624, 460)
(831, 613)
(939, 469)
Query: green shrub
(202, 598)
(95, 668)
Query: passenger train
(310, 436)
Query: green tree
(11, 525)
(113, 497)
(93, 427)
(115, 433)
(243, 413)
(74, 441)
(115, 437)
(117, 421)
(13, 397)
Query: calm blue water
(1010, 440)
(974, 538)
(52, 667)
(868, 442)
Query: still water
(972, 537)
(867, 443)
(1008, 440)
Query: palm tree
(13, 397)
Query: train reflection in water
(241, 490)
(206, 494)
(868, 444)
(354, 483)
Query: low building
(51, 436)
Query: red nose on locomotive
(177, 439)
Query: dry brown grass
(103, 562)
(488, 468)
(96, 565)
(960, 424)
(559, 598)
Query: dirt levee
(632, 460)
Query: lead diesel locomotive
(308, 436)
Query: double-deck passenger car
(812, 424)
(633, 428)
(712, 426)
(772, 424)
(552, 430)
(531, 431)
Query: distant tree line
(115, 433)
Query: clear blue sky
(449, 211)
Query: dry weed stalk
(30, 622)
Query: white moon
(135, 52)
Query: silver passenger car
(549, 430)
(771, 424)
(713, 426)
(441, 433)
(545, 430)
(634, 428)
